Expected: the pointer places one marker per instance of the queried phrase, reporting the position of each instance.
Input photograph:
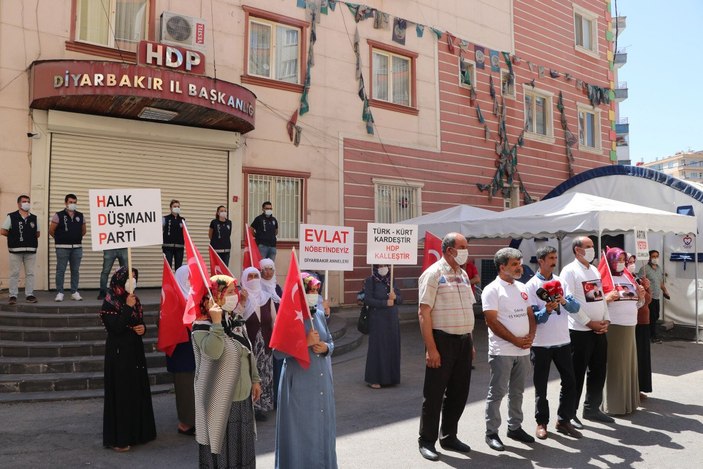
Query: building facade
(686, 165)
(338, 113)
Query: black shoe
(597, 416)
(428, 451)
(101, 295)
(32, 299)
(189, 432)
(520, 435)
(12, 300)
(576, 423)
(452, 443)
(494, 442)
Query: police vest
(221, 232)
(69, 231)
(173, 231)
(22, 237)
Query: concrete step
(16, 397)
(61, 334)
(36, 365)
(53, 320)
(45, 382)
(13, 348)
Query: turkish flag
(198, 282)
(251, 257)
(217, 266)
(433, 250)
(171, 329)
(289, 329)
(605, 276)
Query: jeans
(109, 257)
(65, 256)
(508, 375)
(17, 259)
(267, 252)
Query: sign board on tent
(641, 244)
(391, 244)
(324, 247)
(125, 218)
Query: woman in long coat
(128, 415)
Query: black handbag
(362, 324)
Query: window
(396, 201)
(589, 128)
(507, 84)
(286, 193)
(538, 113)
(467, 73)
(585, 30)
(117, 24)
(274, 50)
(392, 78)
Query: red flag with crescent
(605, 276)
(289, 334)
(217, 265)
(171, 329)
(251, 257)
(433, 250)
(198, 282)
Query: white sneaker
(59, 297)
(76, 296)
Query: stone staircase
(55, 351)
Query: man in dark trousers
(174, 244)
(265, 228)
(68, 228)
(446, 323)
(22, 231)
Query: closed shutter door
(197, 177)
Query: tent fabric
(447, 220)
(575, 213)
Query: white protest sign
(325, 247)
(641, 244)
(391, 244)
(125, 218)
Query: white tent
(447, 220)
(575, 213)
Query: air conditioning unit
(183, 31)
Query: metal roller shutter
(197, 177)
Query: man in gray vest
(22, 231)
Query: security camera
(32, 135)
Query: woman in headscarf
(128, 415)
(269, 284)
(259, 314)
(621, 385)
(383, 356)
(226, 380)
(182, 364)
(305, 420)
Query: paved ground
(378, 428)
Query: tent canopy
(447, 220)
(575, 213)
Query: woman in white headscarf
(269, 284)
(259, 314)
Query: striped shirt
(449, 294)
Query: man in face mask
(446, 323)
(653, 271)
(511, 330)
(22, 231)
(172, 226)
(589, 346)
(68, 228)
(265, 228)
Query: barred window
(286, 195)
(396, 201)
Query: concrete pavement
(378, 428)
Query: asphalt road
(378, 428)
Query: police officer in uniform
(173, 235)
(219, 233)
(68, 228)
(22, 231)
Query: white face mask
(26, 206)
(254, 285)
(589, 254)
(268, 212)
(653, 260)
(230, 303)
(620, 266)
(176, 210)
(462, 255)
(312, 299)
(72, 207)
(631, 268)
(383, 271)
(223, 215)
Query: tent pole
(559, 238)
(600, 247)
(695, 260)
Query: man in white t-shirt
(589, 345)
(552, 303)
(511, 330)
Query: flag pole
(302, 285)
(206, 280)
(251, 254)
(326, 284)
(129, 270)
